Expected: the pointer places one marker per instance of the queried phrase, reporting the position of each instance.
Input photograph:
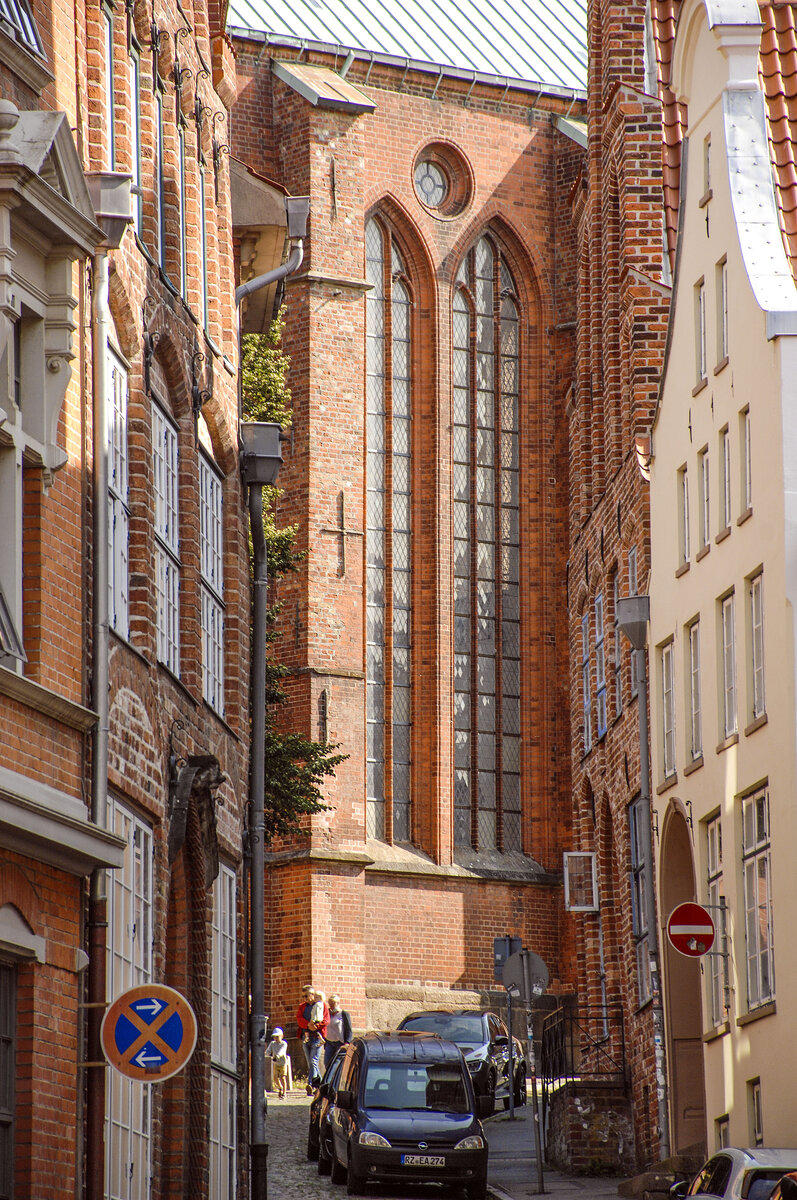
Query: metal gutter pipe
(98, 919)
(258, 1146)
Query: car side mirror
(345, 1100)
(323, 1090)
(679, 1190)
(484, 1106)
(502, 1040)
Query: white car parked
(734, 1174)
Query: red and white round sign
(691, 930)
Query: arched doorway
(682, 992)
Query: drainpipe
(110, 194)
(260, 461)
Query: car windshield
(463, 1028)
(431, 1086)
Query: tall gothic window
(388, 540)
(486, 554)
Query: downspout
(98, 916)
(258, 1146)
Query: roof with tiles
(544, 43)
(778, 76)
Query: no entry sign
(149, 1033)
(691, 930)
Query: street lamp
(633, 615)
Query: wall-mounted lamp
(261, 458)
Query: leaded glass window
(388, 540)
(486, 523)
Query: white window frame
(684, 548)
(695, 700)
(128, 1121)
(224, 1036)
(649, 53)
(600, 667)
(135, 136)
(700, 332)
(668, 708)
(704, 483)
(167, 545)
(19, 16)
(182, 236)
(160, 180)
(725, 477)
(211, 540)
(581, 881)
(586, 684)
(755, 1112)
(728, 640)
(203, 239)
(618, 656)
(118, 495)
(715, 972)
(757, 686)
(756, 875)
(640, 854)
(746, 461)
(722, 311)
(633, 586)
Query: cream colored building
(724, 580)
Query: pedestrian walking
(338, 1029)
(277, 1051)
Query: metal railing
(584, 1043)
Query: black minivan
(405, 1110)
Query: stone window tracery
(388, 540)
(486, 523)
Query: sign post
(149, 1033)
(690, 929)
(526, 975)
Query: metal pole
(511, 1048)
(650, 904)
(536, 1107)
(257, 1019)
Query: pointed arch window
(486, 519)
(388, 539)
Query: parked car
(483, 1039)
(319, 1135)
(735, 1174)
(406, 1112)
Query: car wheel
(521, 1096)
(324, 1160)
(354, 1183)
(478, 1189)
(312, 1146)
(489, 1092)
(336, 1171)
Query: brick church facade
(430, 333)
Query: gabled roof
(778, 78)
(544, 41)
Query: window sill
(698, 388)
(704, 199)
(669, 782)
(744, 516)
(722, 535)
(757, 1014)
(702, 552)
(711, 1035)
(684, 567)
(756, 724)
(694, 765)
(723, 362)
(731, 740)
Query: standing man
(338, 1029)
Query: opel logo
(422, 1145)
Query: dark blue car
(405, 1111)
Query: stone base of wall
(590, 1129)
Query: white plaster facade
(739, 408)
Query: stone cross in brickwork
(342, 531)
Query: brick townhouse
(425, 631)
(623, 302)
(124, 594)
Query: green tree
(295, 766)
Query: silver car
(735, 1174)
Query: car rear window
(425, 1087)
(467, 1029)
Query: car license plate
(423, 1160)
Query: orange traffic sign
(149, 1033)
